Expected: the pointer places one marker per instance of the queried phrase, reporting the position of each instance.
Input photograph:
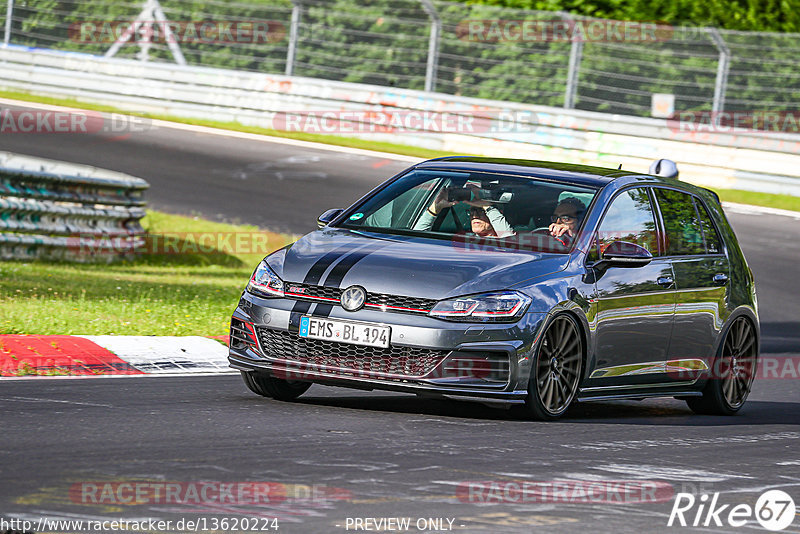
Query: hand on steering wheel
(558, 230)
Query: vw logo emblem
(353, 298)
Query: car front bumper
(490, 362)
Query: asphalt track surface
(373, 454)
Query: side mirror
(328, 216)
(664, 167)
(624, 254)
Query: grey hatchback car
(512, 281)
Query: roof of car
(567, 172)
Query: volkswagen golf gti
(511, 281)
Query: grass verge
(189, 287)
(783, 202)
(786, 202)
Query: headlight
(503, 306)
(264, 282)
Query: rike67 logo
(774, 510)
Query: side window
(684, 236)
(713, 243)
(398, 212)
(630, 218)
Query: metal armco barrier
(55, 210)
(756, 161)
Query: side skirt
(638, 395)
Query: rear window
(710, 234)
(684, 234)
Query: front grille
(350, 360)
(382, 301)
(401, 303)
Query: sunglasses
(562, 218)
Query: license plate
(369, 335)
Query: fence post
(433, 45)
(172, 40)
(574, 66)
(9, 13)
(294, 28)
(723, 65)
(150, 12)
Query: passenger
(485, 219)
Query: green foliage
(91, 26)
(385, 42)
(747, 15)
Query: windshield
(477, 208)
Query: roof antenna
(620, 167)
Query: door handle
(720, 278)
(665, 281)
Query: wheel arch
(577, 313)
(742, 311)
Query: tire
(732, 376)
(276, 388)
(557, 370)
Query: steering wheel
(564, 240)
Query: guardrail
(714, 157)
(55, 210)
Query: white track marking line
(36, 399)
(685, 442)
(668, 473)
(748, 209)
(226, 372)
(230, 133)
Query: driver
(565, 219)
(485, 219)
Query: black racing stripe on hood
(316, 271)
(337, 274)
(313, 277)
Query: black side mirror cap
(328, 216)
(624, 254)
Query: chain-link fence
(545, 58)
